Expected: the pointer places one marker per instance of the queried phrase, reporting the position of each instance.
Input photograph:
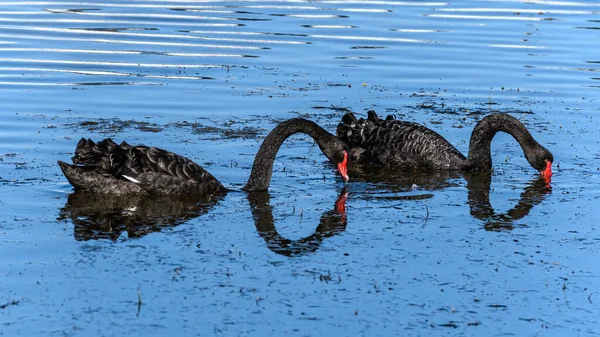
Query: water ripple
(111, 63)
(115, 41)
(369, 38)
(96, 31)
(117, 52)
(120, 22)
(483, 17)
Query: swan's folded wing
(392, 142)
(412, 145)
(162, 172)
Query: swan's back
(108, 167)
(401, 144)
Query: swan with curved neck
(121, 169)
(401, 144)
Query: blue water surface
(415, 255)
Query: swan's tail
(372, 116)
(79, 176)
(351, 130)
(348, 118)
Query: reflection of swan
(403, 145)
(478, 186)
(97, 216)
(332, 222)
(108, 168)
(416, 186)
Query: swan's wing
(143, 160)
(392, 142)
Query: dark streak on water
(402, 254)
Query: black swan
(108, 168)
(400, 144)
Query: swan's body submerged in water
(407, 145)
(121, 169)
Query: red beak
(547, 173)
(342, 169)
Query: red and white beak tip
(343, 169)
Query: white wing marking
(131, 179)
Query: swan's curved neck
(480, 157)
(262, 169)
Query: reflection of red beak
(547, 173)
(340, 203)
(342, 169)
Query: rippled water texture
(384, 255)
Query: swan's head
(337, 152)
(541, 159)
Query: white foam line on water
(131, 42)
(313, 16)
(363, 10)
(93, 73)
(110, 63)
(139, 15)
(115, 52)
(201, 55)
(69, 3)
(416, 30)
(515, 46)
(331, 26)
(204, 8)
(52, 70)
(515, 10)
(483, 17)
(175, 77)
(86, 72)
(249, 41)
(208, 10)
(353, 10)
(239, 33)
(168, 4)
(225, 32)
(121, 33)
(282, 7)
(127, 22)
(98, 4)
(370, 38)
(148, 5)
(22, 13)
(389, 3)
(558, 3)
(74, 84)
(85, 51)
(361, 2)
